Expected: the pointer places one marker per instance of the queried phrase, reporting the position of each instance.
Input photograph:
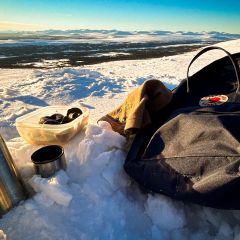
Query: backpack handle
(213, 48)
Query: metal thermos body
(12, 190)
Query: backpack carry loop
(213, 48)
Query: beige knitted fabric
(134, 113)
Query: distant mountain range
(63, 48)
(116, 35)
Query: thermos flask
(12, 190)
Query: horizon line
(6, 26)
(114, 29)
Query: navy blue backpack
(191, 152)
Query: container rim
(20, 121)
(47, 154)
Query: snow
(54, 189)
(94, 198)
(47, 63)
(110, 54)
(51, 37)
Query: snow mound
(95, 199)
(54, 188)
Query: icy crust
(51, 190)
(95, 199)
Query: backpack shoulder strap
(214, 48)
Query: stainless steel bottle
(12, 190)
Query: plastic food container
(33, 132)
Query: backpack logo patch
(213, 100)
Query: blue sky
(185, 15)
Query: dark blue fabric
(192, 153)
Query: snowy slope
(95, 199)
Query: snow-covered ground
(94, 198)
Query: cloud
(16, 26)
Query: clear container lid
(32, 119)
